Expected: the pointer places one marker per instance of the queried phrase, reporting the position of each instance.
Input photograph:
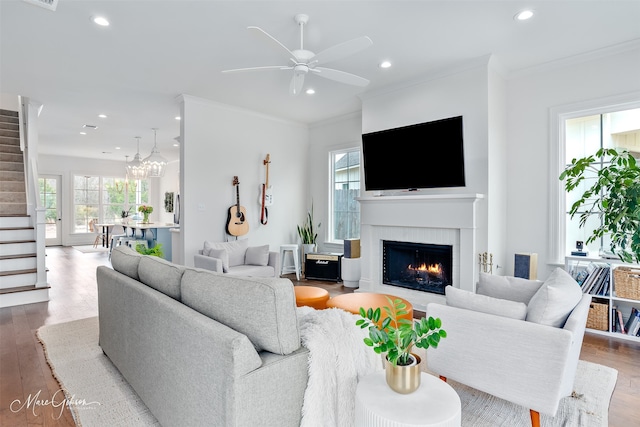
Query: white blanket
(337, 359)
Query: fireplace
(422, 267)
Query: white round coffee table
(435, 403)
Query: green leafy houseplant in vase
(395, 336)
(614, 197)
(146, 211)
(308, 233)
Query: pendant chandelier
(136, 169)
(155, 163)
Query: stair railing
(28, 116)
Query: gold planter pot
(403, 379)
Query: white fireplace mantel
(436, 218)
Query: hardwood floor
(24, 372)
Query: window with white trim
(345, 188)
(582, 130)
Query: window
(582, 130)
(345, 188)
(103, 199)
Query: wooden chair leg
(535, 418)
(443, 378)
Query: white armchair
(238, 258)
(528, 362)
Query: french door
(49, 186)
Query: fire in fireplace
(419, 266)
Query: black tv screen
(425, 155)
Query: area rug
(88, 249)
(99, 396)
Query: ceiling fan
(305, 61)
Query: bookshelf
(604, 288)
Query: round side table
(435, 403)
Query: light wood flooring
(25, 373)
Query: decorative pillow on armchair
(257, 255)
(222, 255)
(555, 300)
(507, 287)
(500, 307)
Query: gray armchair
(529, 360)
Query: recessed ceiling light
(102, 116)
(176, 145)
(117, 148)
(310, 91)
(178, 118)
(100, 20)
(83, 133)
(524, 15)
(385, 64)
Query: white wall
(220, 142)
(530, 98)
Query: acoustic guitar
(237, 224)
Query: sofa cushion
(222, 255)
(236, 250)
(161, 275)
(507, 287)
(263, 309)
(125, 260)
(257, 255)
(555, 300)
(485, 304)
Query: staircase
(18, 257)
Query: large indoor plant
(307, 232)
(614, 196)
(395, 337)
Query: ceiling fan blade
(296, 83)
(342, 50)
(340, 76)
(261, 31)
(268, 67)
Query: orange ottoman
(353, 302)
(311, 296)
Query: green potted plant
(154, 251)
(614, 196)
(395, 336)
(308, 233)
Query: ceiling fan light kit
(305, 61)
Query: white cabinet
(576, 264)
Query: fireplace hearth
(418, 266)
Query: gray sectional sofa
(203, 348)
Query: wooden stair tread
(17, 272)
(3, 257)
(22, 289)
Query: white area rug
(88, 249)
(99, 395)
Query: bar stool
(295, 268)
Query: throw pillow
(485, 304)
(257, 255)
(507, 287)
(222, 255)
(236, 250)
(555, 300)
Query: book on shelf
(614, 318)
(620, 322)
(633, 323)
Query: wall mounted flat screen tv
(425, 155)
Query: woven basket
(626, 281)
(598, 316)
